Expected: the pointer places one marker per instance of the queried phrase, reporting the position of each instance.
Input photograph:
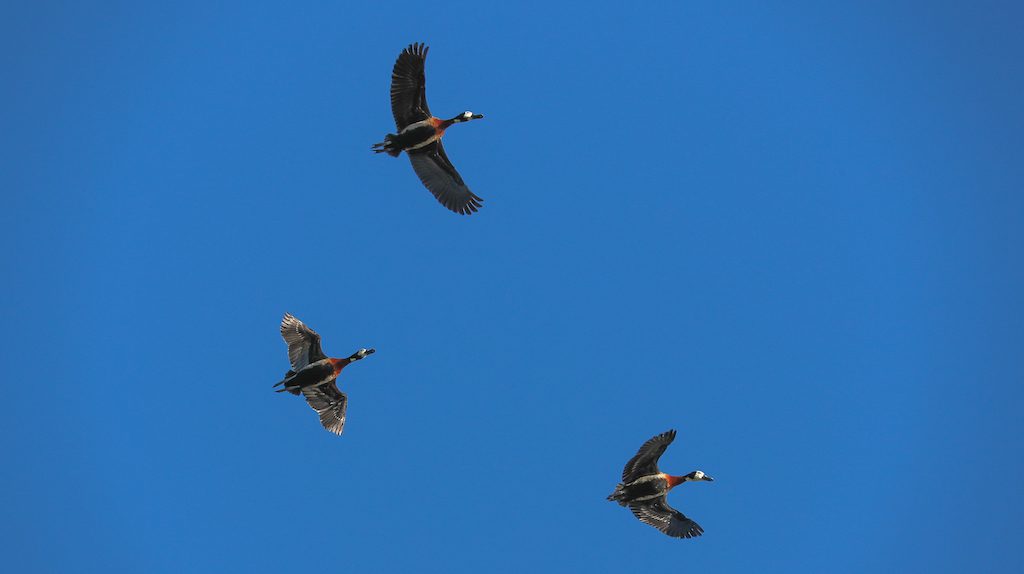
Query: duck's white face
(699, 475)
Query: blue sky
(793, 233)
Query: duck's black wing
(408, 87)
(330, 403)
(645, 462)
(303, 342)
(660, 515)
(438, 174)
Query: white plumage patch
(416, 125)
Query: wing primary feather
(439, 176)
(645, 461)
(303, 342)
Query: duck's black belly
(411, 138)
(314, 374)
(646, 489)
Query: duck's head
(698, 475)
(466, 116)
(361, 354)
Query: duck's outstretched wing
(303, 342)
(645, 462)
(438, 174)
(408, 87)
(660, 515)
(330, 403)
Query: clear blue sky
(791, 232)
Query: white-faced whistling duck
(644, 487)
(419, 133)
(313, 374)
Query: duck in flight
(314, 374)
(644, 487)
(419, 134)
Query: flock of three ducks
(314, 375)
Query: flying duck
(419, 133)
(313, 374)
(644, 487)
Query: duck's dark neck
(459, 119)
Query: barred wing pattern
(660, 515)
(303, 343)
(330, 403)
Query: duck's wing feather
(330, 403)
(303, 342)
(660, 515)
(439, 176)
(645, 462)
(408, 87)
